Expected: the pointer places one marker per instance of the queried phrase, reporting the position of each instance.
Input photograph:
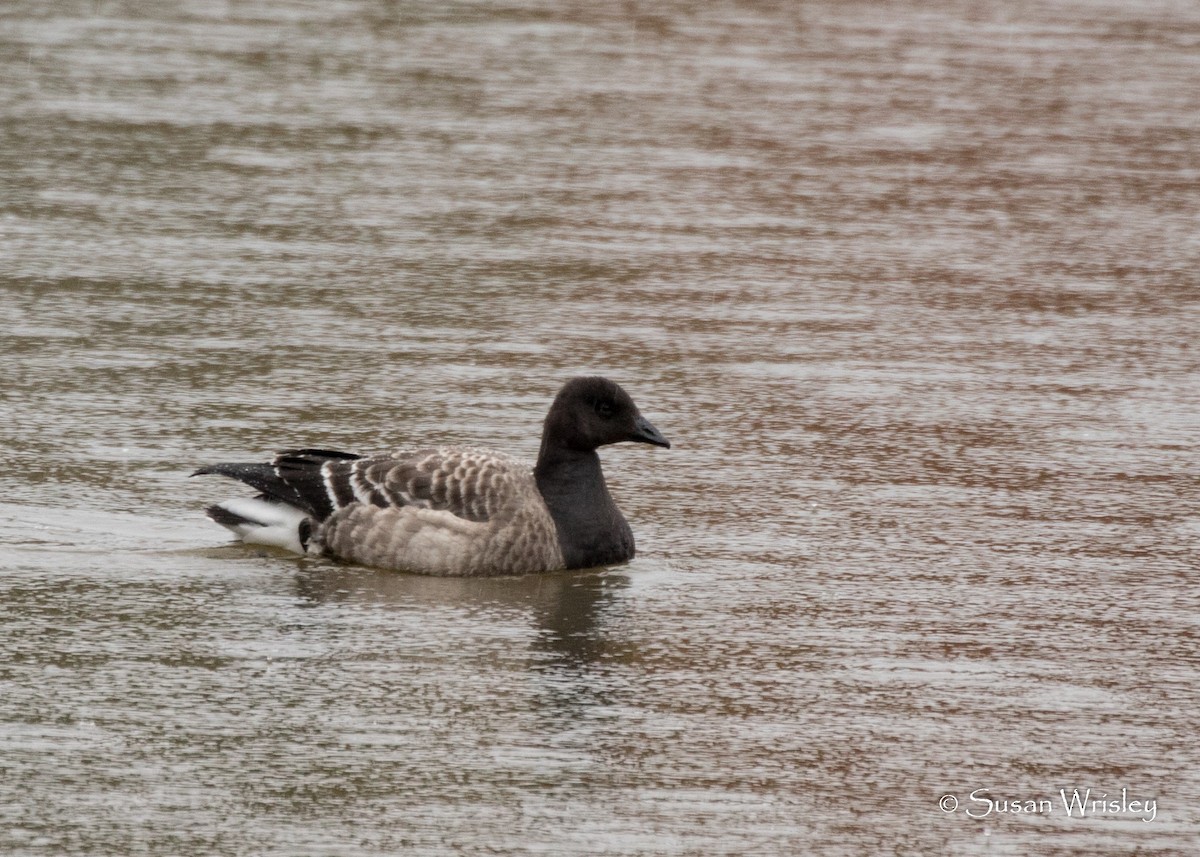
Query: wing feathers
(450, 510)
(470, 484)
(295, 477)
(447, 479)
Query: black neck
(591, 529)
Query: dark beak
(645, 432)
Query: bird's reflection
(565, 609)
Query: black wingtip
(232, 470)
(224, 517)
(292, 479)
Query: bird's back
(443, 510)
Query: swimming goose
(452, 510)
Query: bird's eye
(604, 409)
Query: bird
(452, 510)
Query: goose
(452, 510)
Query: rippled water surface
(913, 288)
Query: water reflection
(564, 612)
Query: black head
(593, 411)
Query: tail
(293, 498)
(264, 522)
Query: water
(912, 288)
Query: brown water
(913, 288)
